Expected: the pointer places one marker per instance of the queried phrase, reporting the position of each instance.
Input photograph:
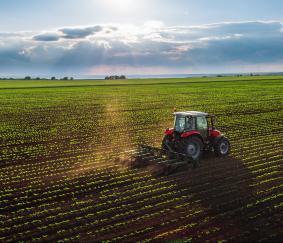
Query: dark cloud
(47, 37)
(245, 50)
(12, 60)
(69, 33)
(77, 33)
(82, 54)
(248, 28)
(12, 57)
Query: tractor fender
(169, 131)
(215, 140)
(214, 133)
(190, 133)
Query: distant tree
(71, 78)
(27, 78)
(251, 74)
(115, 77)
(38, 78)
(65, 78)
(53, 78)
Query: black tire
(194, 148)
(164, 141)
(222, 147)
(165, 149)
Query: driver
(189, 125)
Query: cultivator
(160, 161)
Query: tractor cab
(199, 122)
(193, 132)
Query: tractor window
(201, 123)
(184, 123)
(180, 123)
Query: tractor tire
(164, 141)
(222, 147)
(165, 149)
(193, 147)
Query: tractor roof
(190, 113)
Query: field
(65, 176)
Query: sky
(85, 38)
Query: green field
(64, 171)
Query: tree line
(114, 77)
(38, 78)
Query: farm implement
(159, 161)
(193, 134)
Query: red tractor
(193, 133)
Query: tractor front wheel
(194, 147)
(164, 142)
(164, 147)
(222, 147)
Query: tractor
(194, 132)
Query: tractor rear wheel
(222, 147)
(194, 147)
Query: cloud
(75, 33)
(47, 37)
(214, 47)
(72, 33)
